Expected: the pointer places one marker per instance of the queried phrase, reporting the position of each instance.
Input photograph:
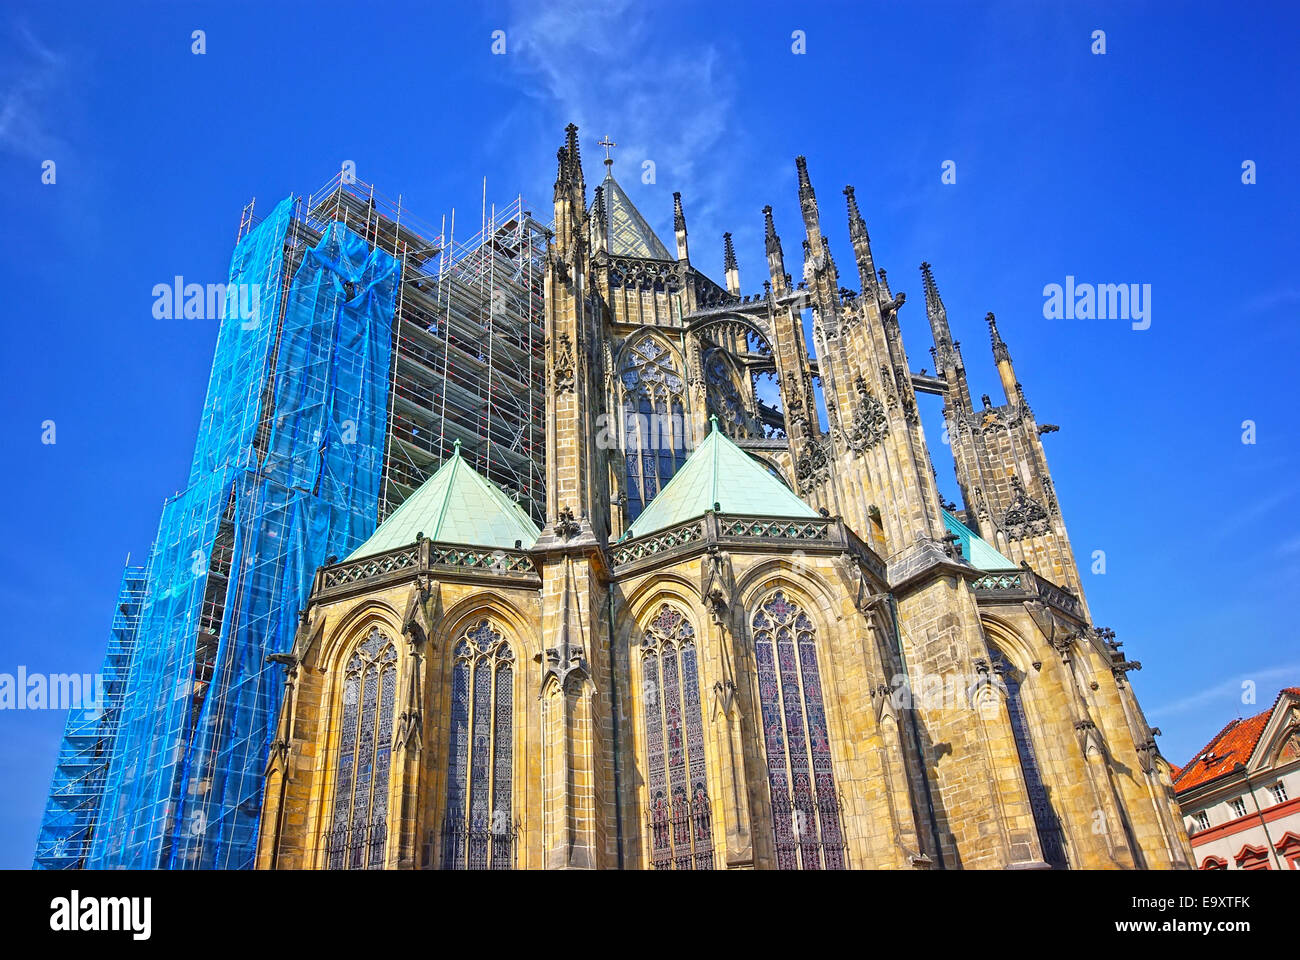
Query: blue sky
(1120, 168)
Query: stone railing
(1023, 584)
(423, 557)
(826, 535)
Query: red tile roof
(1230, 746)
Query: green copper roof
(718, 472)
(629, 234)
(455, 505)
(974, 548)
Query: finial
(713, 419)
(933, 302)
(455, 448)
(857, 226)
(1000, 351)
(805, 185)
(607, 143)
(728, 253)
(679, 218)
(769, 229)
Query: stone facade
(733, 691)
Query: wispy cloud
(32, 73)
(662, 97)
(1231, 689)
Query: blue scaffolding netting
(77, 787)
(286, 472)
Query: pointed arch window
(479, 831)
(654, 421)
(1050, 835)
(805, 801)
(358, 831)
(681, 830)
(725, 397)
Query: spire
(729, 265)
(1002, 357)
(808, 206)
(1000, 351)
(599, 222)
(679, 227)
(575, 156)
(945, 357)
(562, 172)
(861, 244)
(805, 184)
(884, 284)
(775, 257)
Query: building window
(654, 422)
(479, 831)
(1238, 807)
(725, 399)
(1279, 792)
(358, 828)
(805, 802)
(681, 830)
(1202, 821)
(1214, 863)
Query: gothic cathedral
(750, 633)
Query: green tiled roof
(718, 472)
(455, 505)
(974, 548)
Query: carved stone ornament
(1026, 517)
(869, 424)
(562, 365)
(813, 466)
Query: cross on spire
(607, 143)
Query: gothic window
(725, 398)
(681, 832)
(654, 421)
(358, 831)
(1050, 836)
(805, 802)
(478, 830)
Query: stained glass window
(1050, 835)
(478, 830)
(654, 421)
(725, 398)
(681, 831)
(357, 836)
(805, 802)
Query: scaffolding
(77, 787)
(373, 345)
(468, 343)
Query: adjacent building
(1240, 795)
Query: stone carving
(1026, 517)
(869, 424)
(562, 365)
(813, 467)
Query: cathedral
(749, 634)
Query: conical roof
(455, 505)
(629, 234)
(718, 472)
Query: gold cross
(606, 143)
